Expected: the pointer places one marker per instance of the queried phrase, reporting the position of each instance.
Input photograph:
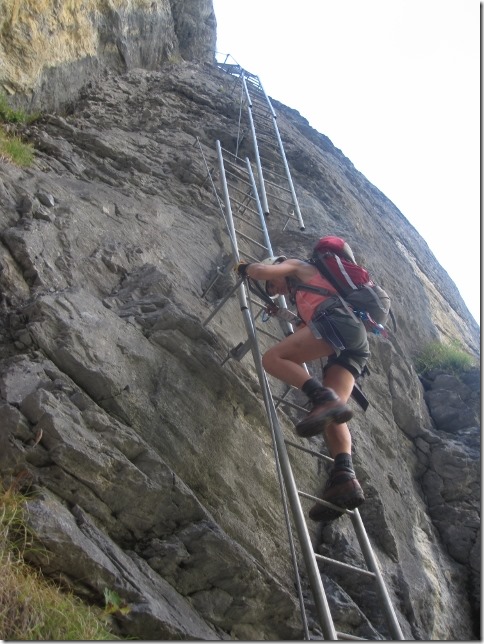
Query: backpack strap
(324, 270)
(390, 312)
(300, 286)
(344, 272)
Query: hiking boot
(341, 489)
(323, 414)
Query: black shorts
(332, 323)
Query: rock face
(150, 458)
(49, 50)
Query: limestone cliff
(151, 461)
(50, 49)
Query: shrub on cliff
(450, 358)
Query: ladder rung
(352, 638)
(246, 207)
(237, 177)
(266, 144)
(271, 183)
(259, 98)
(254, 81)
(249, 239)
(259, 93)
(273, 187)
(264, 125)
(265, 136)
(341, 564)
(233, 159)
(258, 90)
(275, 174)
(246, 198)
(248, 255)
(309, 451)
(231, 154)
(238, 164)
(270, 335)
(260, 109)
(287, 212)
(259, 114)
(243, 207)
(326, 503)
(236, 171)
(293, 405)
(281, 200)
(246, 221)
(235, 188)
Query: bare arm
(288, 268)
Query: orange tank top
(307, 302)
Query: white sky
(395, 85)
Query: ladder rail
(265, 205)
(284, 159)
(262, 100)
(373, 566)
(281, 300)
(282, 487)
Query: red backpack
(334, 259)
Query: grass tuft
(31, 606)
(451, 358)
(12, 148)
(8, 114)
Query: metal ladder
(240, 202)
(274, 181)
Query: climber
(327, 330)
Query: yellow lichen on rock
(50, 48)
(36, 34)
(42, 33)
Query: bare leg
(286, 358)
(338, 437)
(285, 361)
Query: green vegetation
(451, 358)
(114, 603)
(175, 59)
(32, 607)
(15, 150)
(9, 115)
(12, 148)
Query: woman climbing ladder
(327, 330)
